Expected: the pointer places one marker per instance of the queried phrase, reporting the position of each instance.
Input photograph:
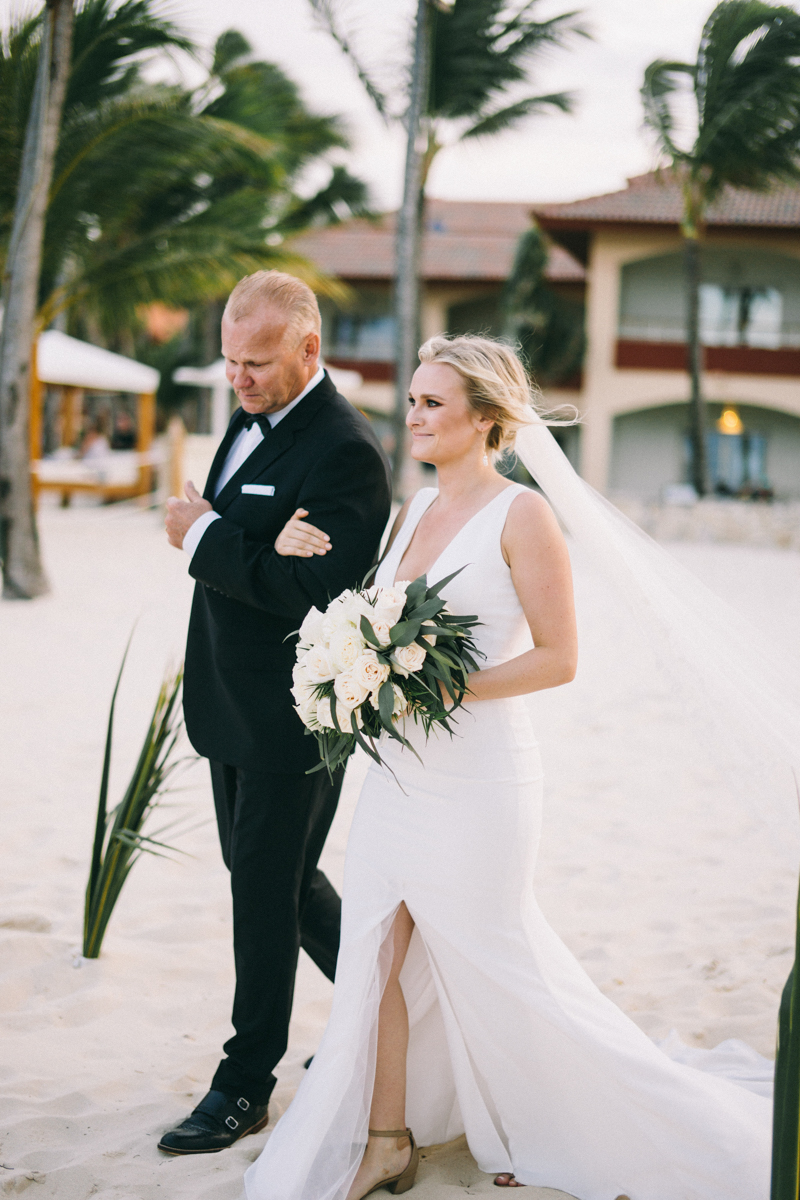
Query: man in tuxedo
(294, 444)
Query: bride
(456, 1008)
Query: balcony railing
(737, 360)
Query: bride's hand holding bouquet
(378, 655)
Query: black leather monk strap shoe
(218, 1121)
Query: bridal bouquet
(374, 656)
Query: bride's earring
(485, 457)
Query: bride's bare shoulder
(530, 524)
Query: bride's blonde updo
(496, 383)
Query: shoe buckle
(243, 1104)
(231, 1122)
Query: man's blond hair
(276, 289)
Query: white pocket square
(258, 489)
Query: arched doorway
(753, 451)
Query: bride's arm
(535, 550)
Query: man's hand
(182, 514)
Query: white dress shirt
(240, 451)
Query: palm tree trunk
(23, 576)
(697, 408)
(409, 240)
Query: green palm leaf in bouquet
(119, 839)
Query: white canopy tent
(213, 377)
(64, 360)
(75, 367)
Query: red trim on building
(737, 360)
(370, 372)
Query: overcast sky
(549, 158)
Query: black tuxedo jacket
(324, 457)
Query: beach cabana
(76, 367)
(213, 377)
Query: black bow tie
(261, 419)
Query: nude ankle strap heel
(405, 1180)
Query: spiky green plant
(786, 1110)
(119, 839)
(786, 1113)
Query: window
(747, 298)
(370, 338)
(737, 464)
(740, 316)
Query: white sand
(97, 1061)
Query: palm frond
(108, 45)
(325, 11)
(747, 90)
(230, 47)
(749, 95)
(161, 192)
(261, 97)
(480, 49)
(661, 81)
(506, 118)
(548, 328)
(343, 198)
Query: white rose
(346, 645)
(368, 671)
(401, 705)
(344, 716)
(409, 658)
(382, 629)
(324, 713)
(308, 714)
(303, 691)
(349, 691)
(317, 665)
(355, 607)
(299, 672)
(336, 615)
(311, 629)
(347, 718)
(390, 602)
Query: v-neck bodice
(484, 586)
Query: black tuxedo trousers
(249, 601)
(272, 830)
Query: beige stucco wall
(437, 299)
(608, 391)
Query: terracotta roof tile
(656, 199)
(463, 240)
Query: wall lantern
(730, 422)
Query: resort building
(621, 254)
(635, 388)
(467, 252)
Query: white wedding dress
(510, 1041)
